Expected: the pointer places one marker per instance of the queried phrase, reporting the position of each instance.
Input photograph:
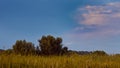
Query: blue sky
(83, 24)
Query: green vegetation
(23, 47)
(51, 46)
(48, 45)
(51, 54)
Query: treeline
(97, 52)
(48, 45)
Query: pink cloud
(99, 15)
(98, 27)
(93, 19)
(95, 23)
(104, 20)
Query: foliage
(51, 46)
(8, 52)
(48, 45)
(37, 51)
(98, 52)
(24, 48)
(1, 51)
(64, 51)
(79, 52)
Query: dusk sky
(84, 25)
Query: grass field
(75, 61)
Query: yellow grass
(75, 61)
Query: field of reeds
(74, 61)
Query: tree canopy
(23, 47)
(50, 45)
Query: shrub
(24, 48)
(99, 53)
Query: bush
(24, 48)
(51, 46)
(99, 53)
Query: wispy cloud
(98, 21)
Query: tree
(38, 52)
(64, 50)
(24, 48)
(50, 45)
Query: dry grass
(75, 61)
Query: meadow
(73, 61)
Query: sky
(84, 25)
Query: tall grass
(74, 61)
